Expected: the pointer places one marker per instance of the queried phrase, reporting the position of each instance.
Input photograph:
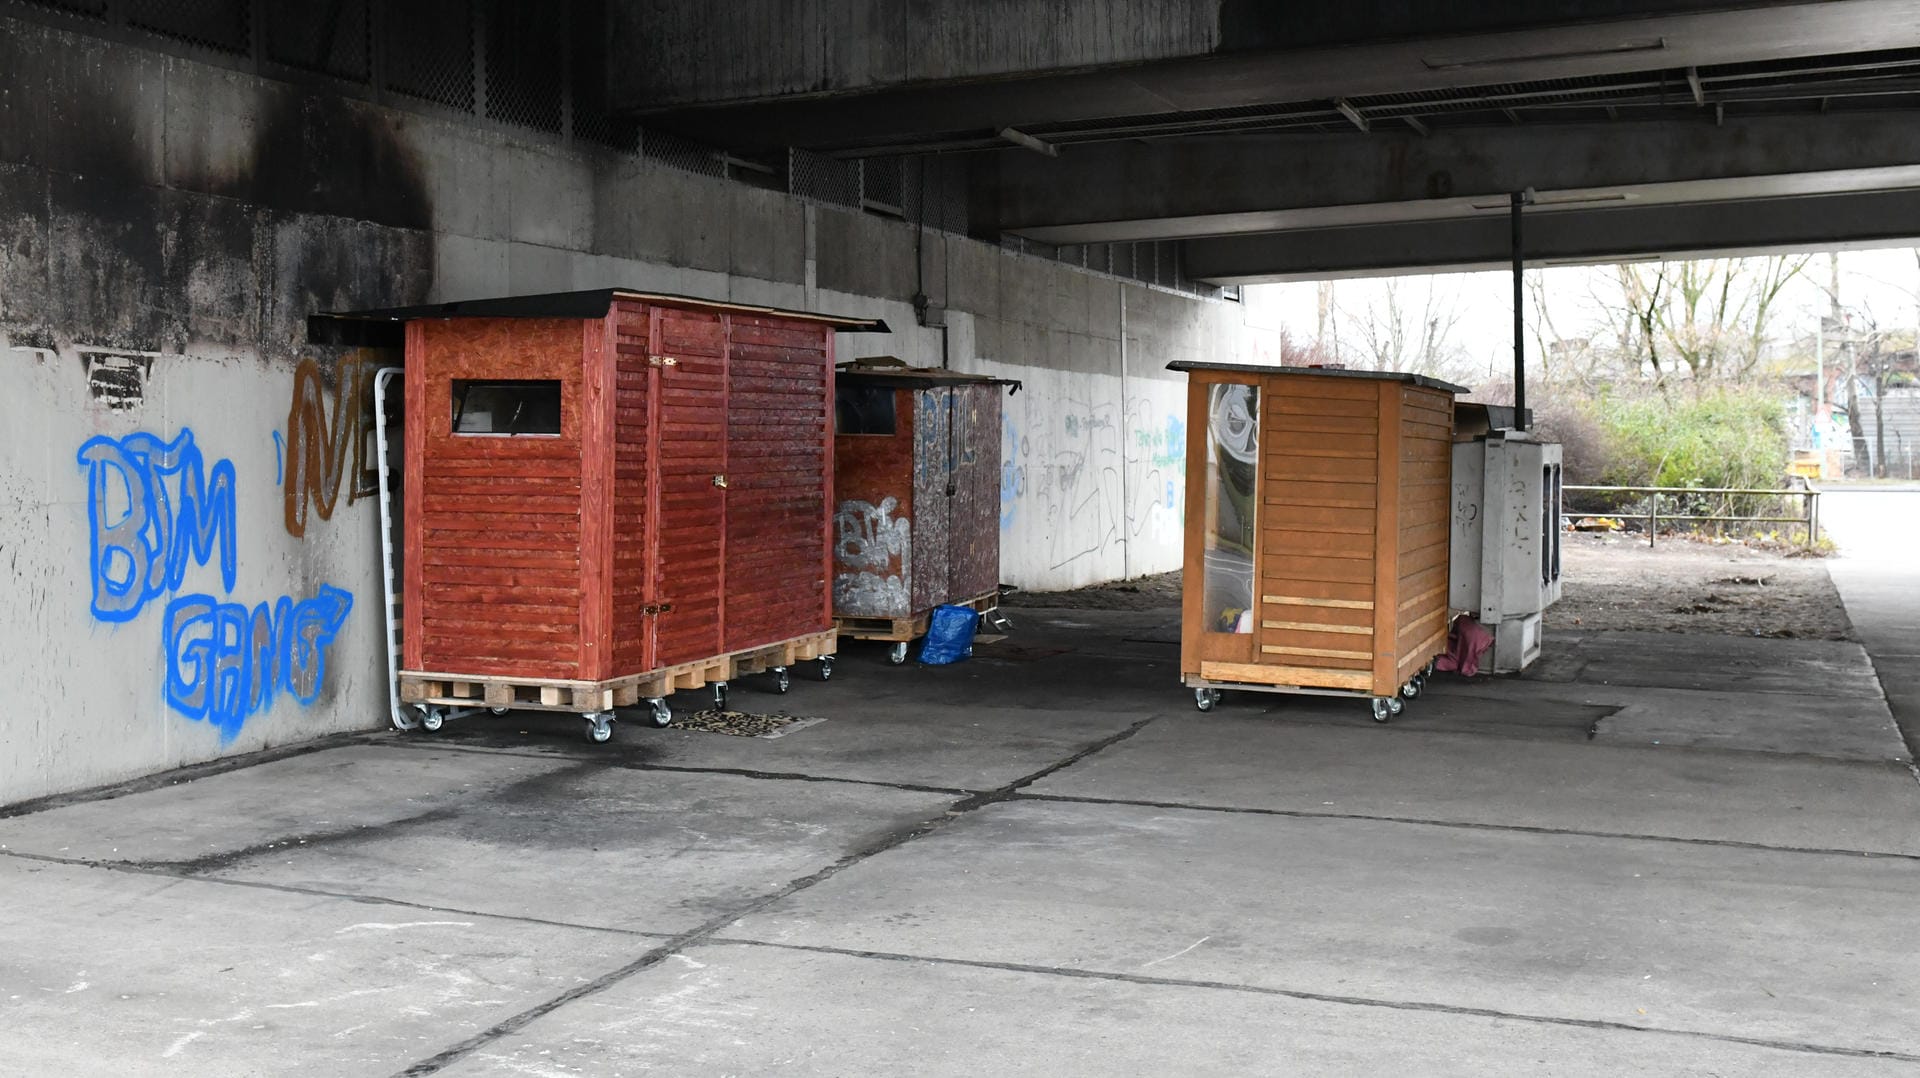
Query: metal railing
(1809, 518)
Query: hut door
(690, 438)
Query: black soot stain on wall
(327, 208)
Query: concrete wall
(193, 563)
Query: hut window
(863, 409)
(1232, 500)
(522, 407)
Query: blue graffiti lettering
(225, 663)
(154, 508)
(140, 543)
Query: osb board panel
(493, 581)
(873, 518)
(973, 564)
(933, 508)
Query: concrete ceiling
(1283, 144)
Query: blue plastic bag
(949, 635)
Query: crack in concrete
(1468, 825)
(189, 773)
(653, 957)
(1804, 1047)
(159, 870)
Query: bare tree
(1407, 325)
(1706, 318)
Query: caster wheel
(898, 653)
(1383, 708)
(719, 696)
(1411, 689)
(661, 716)
(1204, 699)
(432, 718)
(498, 710)
(782, 681)
(599, 727)
(1396, 705)
(826, 668)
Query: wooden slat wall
(1320, 443)
(779, 420)
(493, 524)
(1425, 510)
(973, 561)
(633, 502)
(691, 439)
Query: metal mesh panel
(428, 50)
(331, 38)
(883, 182)
(587, 29)
(823, 179)
(223, 25)
(94, 8)
(674, 151)
(525, 64)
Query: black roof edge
(1378, 376)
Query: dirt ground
(1614, 582)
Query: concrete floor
(1660, 854)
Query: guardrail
(1809, 518)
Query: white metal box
(1506, 539)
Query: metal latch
(657, 608)
(662, 361)
(720, 481)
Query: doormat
(743, 723)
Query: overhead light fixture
(1345, 108)
(1026, 141)
(1443, 63)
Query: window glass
(1232, 500)
(862, 409)
(520, 407)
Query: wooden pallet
(908, 628)
(583, 697)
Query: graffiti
(225, 663)
(318, 442)
(873, 552)
(867, 537)
(1013, 471)
(143, 536)
(1077, 488)
(155, 508)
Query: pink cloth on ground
(1465, 644)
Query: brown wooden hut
(1318, 512)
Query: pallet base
(587, 697)
(907, 628)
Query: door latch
(657, 608)
(720, 481)
(662, 361)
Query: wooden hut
(917, 483)
(1318, 511)
(611, 495)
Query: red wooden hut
(611, 495)
(917, 483)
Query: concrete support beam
(847, 74)
(1566, 236)
(1118, 192)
